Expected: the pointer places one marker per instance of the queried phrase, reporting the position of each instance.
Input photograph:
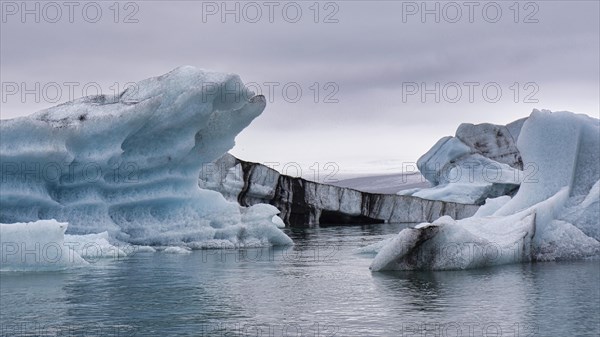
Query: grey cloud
(370, 53)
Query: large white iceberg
(128, 164)
(554, 216)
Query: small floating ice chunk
(38, 245)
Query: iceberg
(449, 244)
(479, 162)
(307, 203)
(43, 245)
(128, 164)
(552, 217)
(38, 245)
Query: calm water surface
(319, 287)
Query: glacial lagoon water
(319, 287)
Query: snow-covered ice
(128, 164)
(554, 216)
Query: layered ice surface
(127, 165)
(306, 203)
(555, 215)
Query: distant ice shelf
(306, 203)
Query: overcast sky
(369, 60)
